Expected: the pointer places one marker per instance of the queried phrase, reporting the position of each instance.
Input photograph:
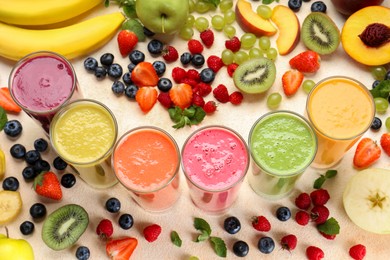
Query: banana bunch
(2, 164)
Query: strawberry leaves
(192, 115)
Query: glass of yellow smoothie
(83, 133)
(341, 110)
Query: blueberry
(40, 145)
(83, 253)
(113, 205)
(266, 245)
(130, 67)
(159, 67)
(186, 58)
(375, 83)
(387, 76)
(59, 164)
(13, 128)
(10, 183)
(118, 87)
(207, 75)
(29, 173)
(100, 72)
(27, 227)
(318, 6)
(32, 156)
(148, 32)
(68, 180)
(306, 1)
(126, 221)
(41, 166)
(376, 124)
(131, 91)
(197, 60)
(115, 71)
(283, 213)
(232, 225)
(37, 210)
(90, 64)
(164, 84)
(295, 5)
(155, 46)
(136, 56)
(240, 248)
(17, 151)
(127, 78)
(107, 59)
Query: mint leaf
(330, 227)
(382, 90)
(135, 26)
(3, 118)
(176, 239)
(198, 116)
(319, 182)
(330, 174)
(219, 246)
(175, 113)
(189, 112)
(181, 123)
(202, 237)
(202, 225)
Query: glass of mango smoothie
(83, 133)
(282, 146)
(341, 110)
(146, 161)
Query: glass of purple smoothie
(41, 83)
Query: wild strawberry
(291, 81)
(289, 242)
(236, 98)
(178, 74)
(233, 44)
(47, 185)
(146, 97)
(193, 74)
(314, 253)
(165, 99)
(195, 46)
(231, 68)
(330, 237)
(210, 107)
(6, 101)
(357, 252)
(152, 232)
(126, 41)
(121, 248)
(367, 152)
(207, 37)
(306, 62)
(214, 62)
(302, 218)
(170, 54)
(105, 229)
(203, 89)
(319, 214)
(385, 143)
(303, 201)
(319, 197)
(144, 74)
(198, 100)
(181, 95)
(221, 93)
(261, 223)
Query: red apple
(348, 7)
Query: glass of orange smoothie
(341, 110)
(146, 161)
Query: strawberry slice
(126, 41)
(385, 143)
(121, 248)
(144, 75)
(291, 80)
(181, 95)
(146, 97)
(367, 152)
(7, 102)
(306, 62)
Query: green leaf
(3, 118)
(107, 3)
(330, 227)
(202, 225)
(129, 11)
(181, 123)
(175, 238)
(198, 116)
(189, 112)
(330, 174)
(215, 3)
(382, 90)
(175, 113)
(202, 237)
(219, 246)
(135, 26)
(319, 182)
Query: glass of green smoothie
(282, 145)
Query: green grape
(191, 4)
(264, 43)
(201, 24)
(227, 56)
(225, 5)
(229, 16)
(229, 31)
(274, 100)
(378, 72)
(307, 85)
(186, 33)
(271, 54)
(240, 57)
(264, 11)
(381, 104)
(387, 123)
(202, 7)
(217, 22)
(190, 20)
(248, 40)
(255, 53)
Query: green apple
(15, 249)
(162, 16)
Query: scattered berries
(291, 81)
(319, 197)
(178, 74)
(152, 232)
(207, 37)
(198, 100)
(210, 107)
(215, 63)
(193, 74)
(283, 213)
(232, 225)
(314, 253)
(126, 41)
(105, 229)
(181, 95)
(144, 74)
(266, 245)
(289, 242)
(319, 214)
(233, 44)
(221, 93)
(164, 99)
(170, 54)
(146, 97)
(261, 223)
(203, 89)
(385, 143)
(113, 205)
(302, 218)
(303, 201)
(47, 185)
(367, 152)
(306, 62)
(236, 98)
(357, 252)
(231, 68)
(195, 46)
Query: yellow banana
(72, 41)
(2, 164)
(40, 12)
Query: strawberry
(152, 232)
(181, 95)
(210, 107)
(233, 44)
(231, 68)
(144, 74)
(207, 37)
(195, 46)
(126, 41)
(291, 80)
(357, 252)
(385, 143)
(261, 223)
(146, 97)
(367, 152)
(6, 101)
(236, 98)
(47, 185)
(170, 54)
(105, 229)
(306, 62)
(178, 74)
(289, 242)
(165, 99)
(314, 253)
(121, 248)
(221, 93)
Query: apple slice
(250, 21)
(289, 28)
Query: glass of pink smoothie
(146, 161)
(215, 160)
(41, 83)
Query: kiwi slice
(319, 33)
(255, 76)
(64, 226)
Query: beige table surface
(181, 216)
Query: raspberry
(207, 37)
(231, 68)
(152, 232)
(165, 99)
(303, 201)
(198, 100)
(236, 98)
(319, 214)
(289, 242)
(190, 82)
(202, 89)
(105, 229)
(319, 197)
(357, 252)
(215, 63)
(261, 223)
(170, 54)
(330, 237)
(302, 218)
(210, 107)
(195, 46)
(233, 44)
(314, 253)
(178, 74)
(193, 74)
(221, 93)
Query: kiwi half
(64, 226)
(319, 33)
(255, 76)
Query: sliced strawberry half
(144, 75)
(146, 97)
(181, 95)
(291, 80)
(121, 248)
(367, 152)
